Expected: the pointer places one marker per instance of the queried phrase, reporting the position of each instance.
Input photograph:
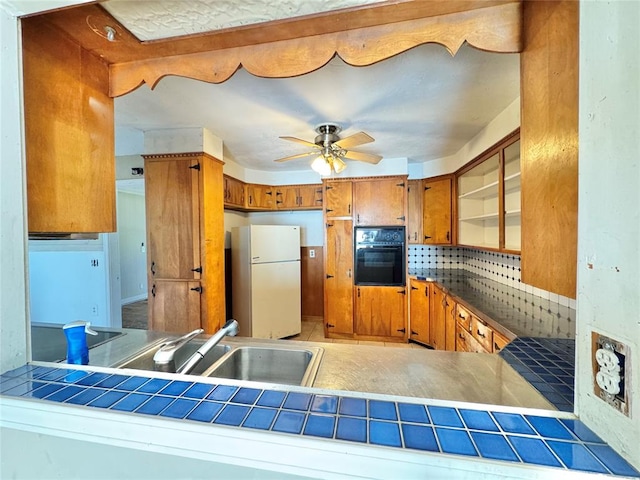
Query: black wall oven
(380, 256)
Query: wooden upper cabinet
(488, 198)
(436, 208)
(380, 311)
(338, 284)
(414, 211)
(259, 197)
(172, 211)
(549, 72)
(69, 134)
(298, 197)
(419, 291)
(338, 199)
(380, 202)
(233, 192)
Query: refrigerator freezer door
(275, 299)
(274, 243)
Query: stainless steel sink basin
(144, 360)
(291, 366)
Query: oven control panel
(379, 235)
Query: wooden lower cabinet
(499, 342)
(419, 291)
(465, 342)
(442, 321)
(475, 335)
(380, 311)
(338, 284)
(174, 306)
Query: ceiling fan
(331, 150)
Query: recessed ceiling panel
(156, 19)
(421, 105)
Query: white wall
(310, 222)
(609, 212)
(501, 126)
(13, 302)
(132, 244)
(51, 457)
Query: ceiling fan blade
(354, 140)
(303, 142)
(362, 157)
(293, 157)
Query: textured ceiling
(421, 105)
(155, 19)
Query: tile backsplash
(500, 267)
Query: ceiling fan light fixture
(321, 165)
(338, 165)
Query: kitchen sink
(291, 366)
(144, 360)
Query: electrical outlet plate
(611, 372)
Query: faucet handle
(166, 352)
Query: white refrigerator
(265, 263)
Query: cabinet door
(380, 311)
(436, 207)
(233, 192)
(499, 342)
(449, 324)
(380, 202)
(286, 197)
(298, 197)
(419, 310)
(69, 135)
(171, 190)
(310, 196)
(414, 211)
(437, 327)
(338, 199)
(465, 342)
(259, 196)
(338, 284)
(174, 306)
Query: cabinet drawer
(482, 333)
(499, 342)
(464, 318)
(465, 342)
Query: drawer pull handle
(480, 334)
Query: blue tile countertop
(557, 443)
(546, 363)
(523, 314)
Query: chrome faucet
(163, 360)
(230, 328)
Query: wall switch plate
(612, 377)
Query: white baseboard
(137, 298)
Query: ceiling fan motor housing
(328, 134)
